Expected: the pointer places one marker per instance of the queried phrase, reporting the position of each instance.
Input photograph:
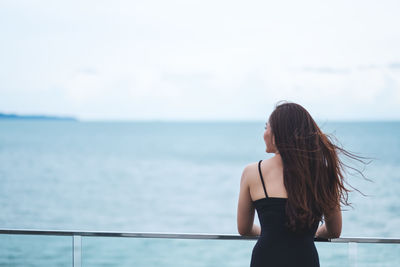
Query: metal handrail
(184, 235)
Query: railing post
(76, 251)
(353, 254)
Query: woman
(292, 191)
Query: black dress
(277, 245)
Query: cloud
(394, 65)
(182, 60)
(368, 67)
(328, 70)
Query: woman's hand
(332, 227)
(255, 231)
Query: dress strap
(262, 180)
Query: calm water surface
(168, 177)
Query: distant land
(4, 116)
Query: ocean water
(169, 177)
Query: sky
(200, 60)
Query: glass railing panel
(35, 250)
(333, 254)
(370, 255)
(188, 252)
(54, 248)
(150, 252)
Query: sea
(172, 177)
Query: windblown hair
(312, 169)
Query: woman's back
(272, 172)
(277, 245)
(293, 191)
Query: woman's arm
(332, 227)
(245, 211)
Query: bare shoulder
(250, 168)
(250, 172)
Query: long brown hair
(312, 170)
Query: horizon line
(37, 116)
